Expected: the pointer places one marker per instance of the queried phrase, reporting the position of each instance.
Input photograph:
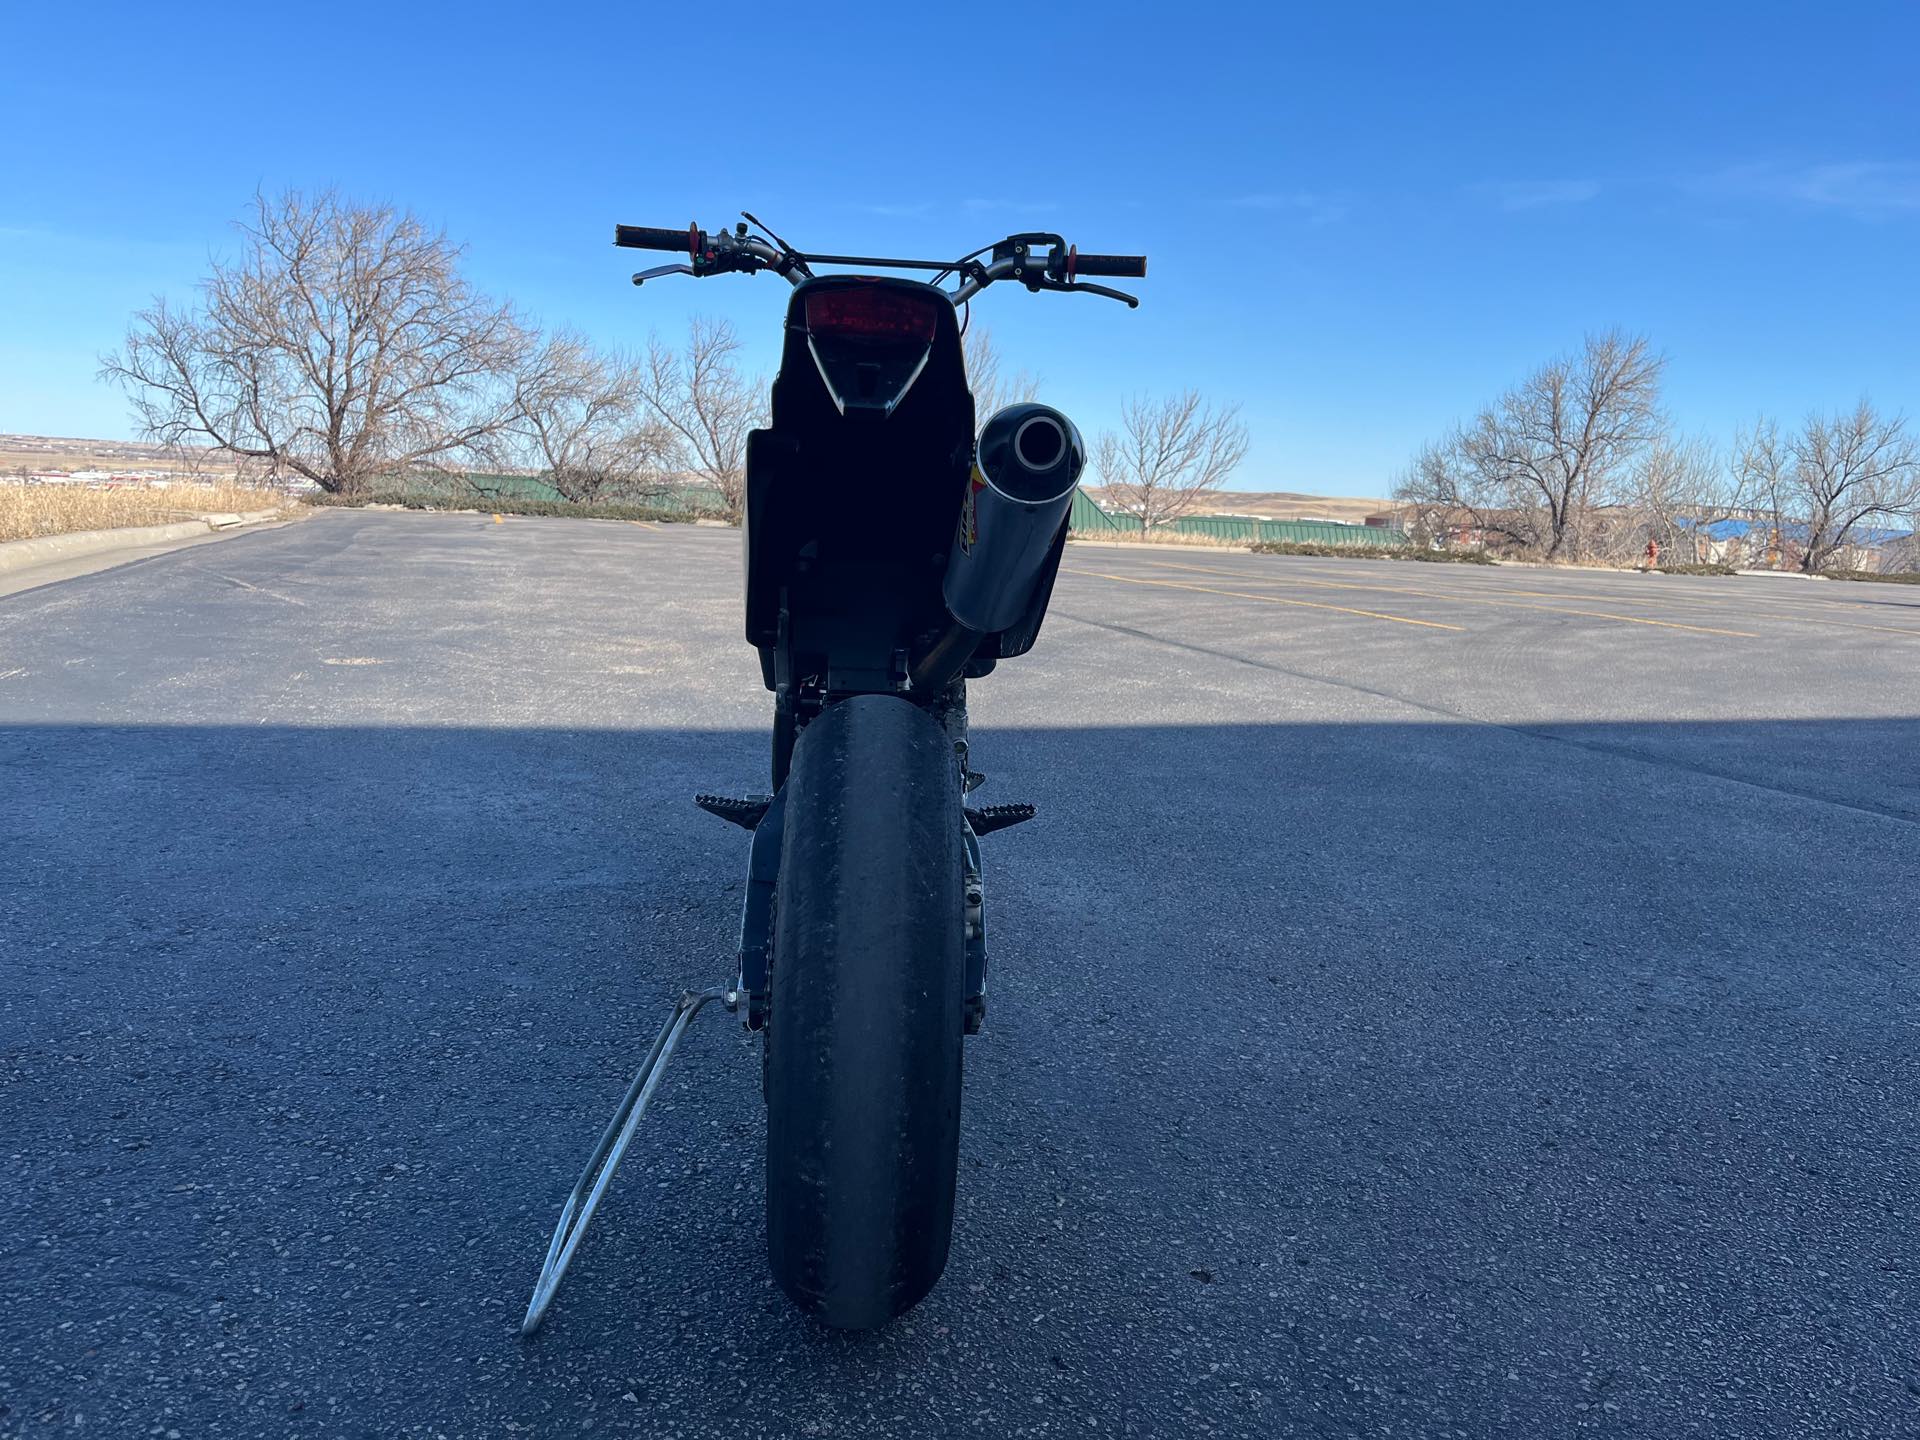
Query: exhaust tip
(1040, 444)
(1030, 453)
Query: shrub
(504, 505)
(1372, 552)
(1905, 577)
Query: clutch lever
(659, 270)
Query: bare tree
(1677, 488)
(582, 421)
(1849, 469)
(1168, 455)
(1532, 467)
(991, 390)
(1448, 502)
(706, 404)
(342, 345)
(1763, 472)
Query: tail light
(871, 339)
(873, 312)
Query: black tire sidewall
(866, 1017)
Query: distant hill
(41, 453)
(55, 453)
(1278, 505)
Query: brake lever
(659, 270)
(1132, 302)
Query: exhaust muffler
(1025, 469)
(1026, 466)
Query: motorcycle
(893, 553)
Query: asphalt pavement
(1432, 1001)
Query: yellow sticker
(970, 512)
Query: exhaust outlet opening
(1040, 443)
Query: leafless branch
(1168, 455)
(1678, 486)
(991, 389)
(705, 405)
(342, 345)
(1532, 468)
(1849, 469)
(580, 419)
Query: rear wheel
(864, 1026)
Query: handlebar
(1039, 261)
(1129, 266)
(689, 241)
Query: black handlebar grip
(646, 237)
(1131, 266)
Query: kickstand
(585, 1199)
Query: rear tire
(864, 1027)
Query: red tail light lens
(873, 312)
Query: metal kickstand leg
(585, 1199)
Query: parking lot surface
(1433, 1000)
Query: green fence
(1247, 530)
(1089, 520)
(513, 487)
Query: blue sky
(1364, 221)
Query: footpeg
(746, 811)
(989, 818)
(607, 1155)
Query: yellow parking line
(1267, 599)
(1786, 605)
(1468, 600)
(1452, 580)
(1776, 607)
(1849, 624)
(647, 525)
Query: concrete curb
(43, 549)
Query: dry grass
(1158, 537)
(30, 510)
(1274, 504)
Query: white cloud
(1856, 187)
